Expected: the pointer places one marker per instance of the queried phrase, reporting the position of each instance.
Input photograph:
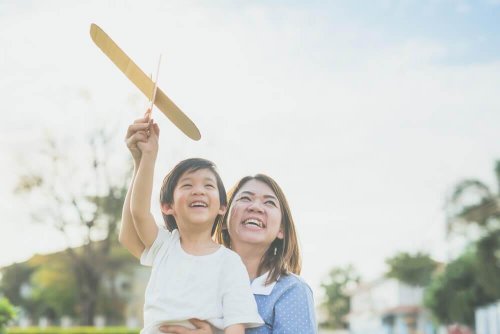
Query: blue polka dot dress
(286, 306)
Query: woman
(259, 227)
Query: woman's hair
(287, 258)
(170, 182)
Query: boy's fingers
(147, 114)
(136, 127)
(156, 129)
(141, 120)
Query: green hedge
(72, 330)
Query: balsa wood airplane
(143, 82)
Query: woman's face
(255, 215)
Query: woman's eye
(186, 185)
(271, 203)
(244, 198)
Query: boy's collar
(259, 287)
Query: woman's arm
(294, 311)
(202, 327)
(235, 329)
(128, 236)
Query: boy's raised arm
(140, 199)
(128, 236)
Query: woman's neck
(251, 255)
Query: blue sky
(470, 29)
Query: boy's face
(196, 199)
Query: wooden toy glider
(143, 82)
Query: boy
(192, 276)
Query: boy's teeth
(198, 204)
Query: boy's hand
(150, 146)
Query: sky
(367, 113)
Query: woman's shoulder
(293, 282)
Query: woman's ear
(167, 209)
(281, 234)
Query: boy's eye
(211, 186)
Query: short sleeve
(238, 302)
(163, 239)
(294, 311)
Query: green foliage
(7, 313)
(73, 330)
(488, 263)
(474, 203)
(411, 269)
(54, 289)
(337, 302)
(13, 277)
(472, 280)
(454, 294)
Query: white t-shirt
(213, 287)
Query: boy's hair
(287, 258)
(170, 182)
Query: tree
(471, 280)
(411, 269)
(488, 263)
(455, 293)
(53, 287)
(337, 302)
(14, 278)
(473, 203)
(80, 195)
(38, 286)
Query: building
(388, 306)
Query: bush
(72, 330)
(7, 313)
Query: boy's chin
(199, 221)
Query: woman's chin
(252, 237)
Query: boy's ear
(167, 209)
(222, 209)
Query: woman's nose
(256, 206)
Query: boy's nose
(198, 190)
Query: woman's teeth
(253, 221)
